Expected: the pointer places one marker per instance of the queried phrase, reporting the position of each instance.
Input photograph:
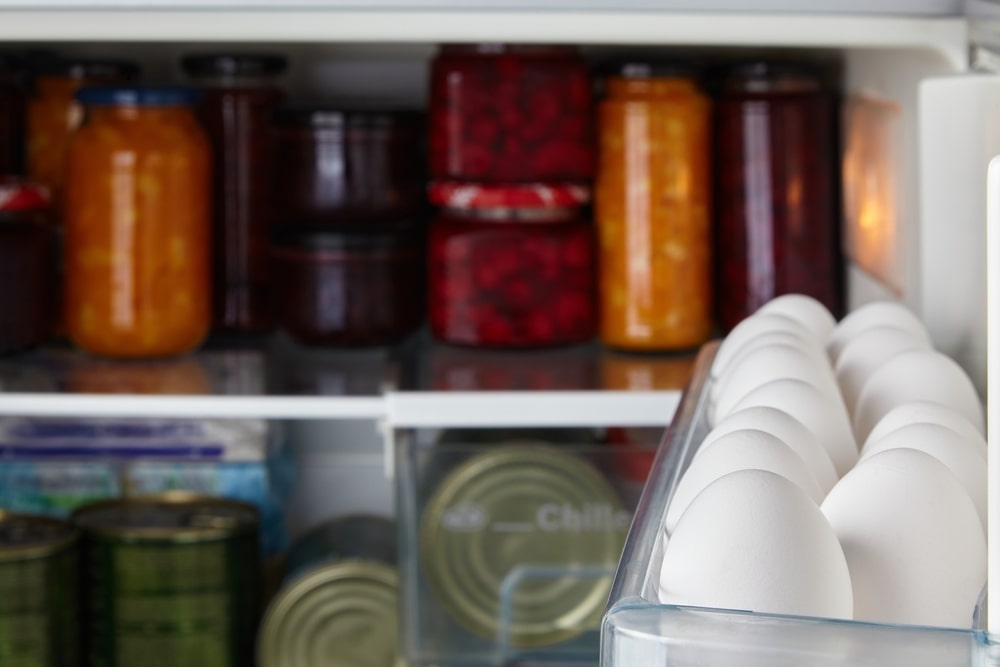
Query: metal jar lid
(342, 613)
(25, 536)
(531, 511)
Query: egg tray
(639, 630)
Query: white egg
(797, 337)
(823, 415)
(786, 428)
(923, 412)
(918, 375)
(749, 330)
(877, 313)
(912, 538)
(807, 310)
(763, 364)
(866, 352)
(739, 450)
(754, 540)
(965, 457)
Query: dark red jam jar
(27, 267)
(353, 286)
(511, 266)
(777, 221)
(240, 93)
(13, 108)
(344, 165)
(505, 113)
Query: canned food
(38, 585)
(340, 606)
(170, 580)
(523, 539)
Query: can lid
(456, 194)
(339, 613)
(17, 195)
(141, 95)
(89, 68)
(537, 525)
(399, 235)
(234, 64)
(173, 516)
(355, 115)
(27, 536)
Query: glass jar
(353, 286)
(777, 222)
(12, 111)
(652, 210)
(27, 267)
(511, 267)
(506, 113)
(53, 115)
(138, 211)
(239, 97)
(346, 165)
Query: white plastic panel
(959, 135)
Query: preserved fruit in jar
(510, 113)
(239, 97)
(777, 223)
(652, 210)
(137, 224)
(511, 267)
(54, 114)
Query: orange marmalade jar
(138, 206)
(652, 209)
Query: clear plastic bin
(638, 630)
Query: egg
(805, 309)
(795, 337)
(786, 428)
(866, 352)
(965, 457)
(912, 538)
(877, 313)
(754, 540)
(749, 330)
(918, 375)
(763, 364)
(738, 450)
(823, 415)
(923, 412)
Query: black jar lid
(652, 69)
(773, 75)
(88, 68)
(143, 95)
(234, 64)
(337, 116)
(346, 237)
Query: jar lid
(347, 236)
(234, 64)
(345, 116)
(160, 96)
(454, 194)
(774, 75)
(652, 69)
(18, 195)
(88, 68)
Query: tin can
(171, 580)
(340, 604)
(38, 592)
(520, 542)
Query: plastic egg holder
(638, 629)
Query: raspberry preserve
(511, 266)
(505, 113)
(354, 286)
(776, 148)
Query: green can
(38, 592)
(521, 542)
(339, 606)
(170, 581)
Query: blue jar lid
(153, 96)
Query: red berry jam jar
(346, 165)
(239, 98)
(511, 266)
(354, 286)
(505, 113)
(776, 148)
(27, 267)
